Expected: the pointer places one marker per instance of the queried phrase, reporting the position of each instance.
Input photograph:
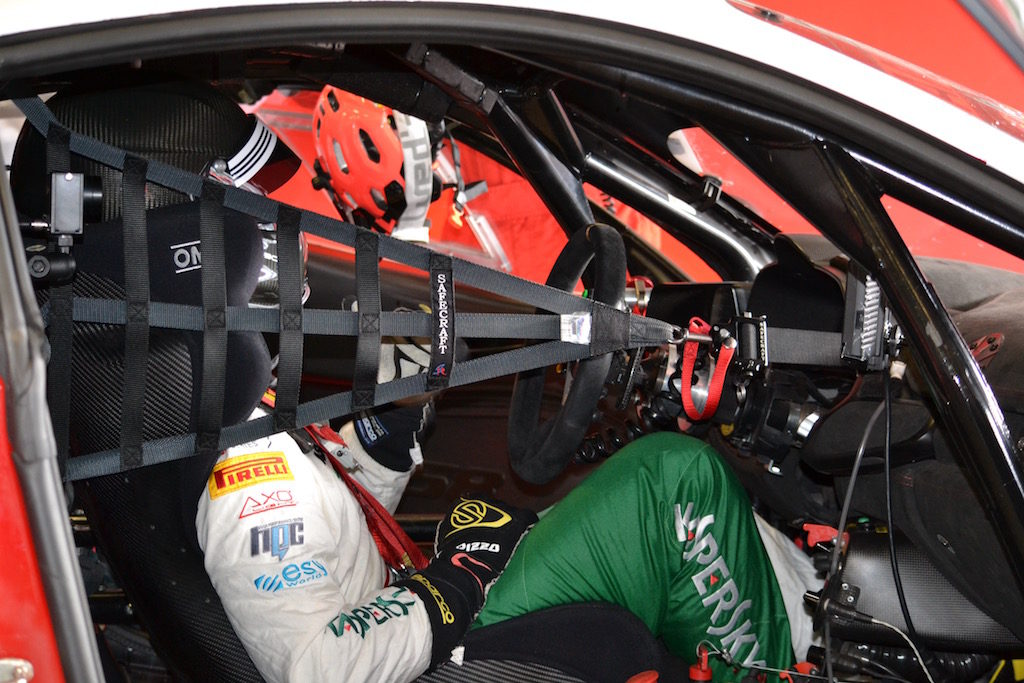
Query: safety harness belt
(216, 320)
(394, 545)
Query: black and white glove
(474, 543)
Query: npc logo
(292, 575)
(276, 538)
(246, 470)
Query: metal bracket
(986, 348)
(710, 193)
(15, 670)
(472, 89)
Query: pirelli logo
(246, 470)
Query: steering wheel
(539, 453)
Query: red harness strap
(717, 382)
(398, 550)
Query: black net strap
(330, 322)
(215, 331)
(136, 330)
(467, 372)
(364, 376)
(290, 288)
(619, 328)
(59, 331)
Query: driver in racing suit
(662, 528)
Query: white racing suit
(289, 552)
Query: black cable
(885, 671)
(894, 563)
(838, 545)
(830, 676)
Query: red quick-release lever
(701, 671)
(822, 533)
(717, 383)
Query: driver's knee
(672, 459)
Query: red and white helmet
(378, 160)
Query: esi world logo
(246, 470)
(293, 575)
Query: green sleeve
(664, 529)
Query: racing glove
(391, 434)
(474, 542)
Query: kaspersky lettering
(715, 585)
(361, 619)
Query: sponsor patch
(472, 547)
(264, 502)
(276, 538)
(246, 470)
(471, 513)
(292, 575)
(447, 616)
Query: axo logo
(264, 502)
(276, 538)
(295, 574)
(245, 470)
(186, 256)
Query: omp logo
(186, 256)
(245, 470)
(295, 574)
(276, 539)
(476, 513)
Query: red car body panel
(25, 630)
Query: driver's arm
(299, 575)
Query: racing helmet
(151, 116)
(378, 162)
